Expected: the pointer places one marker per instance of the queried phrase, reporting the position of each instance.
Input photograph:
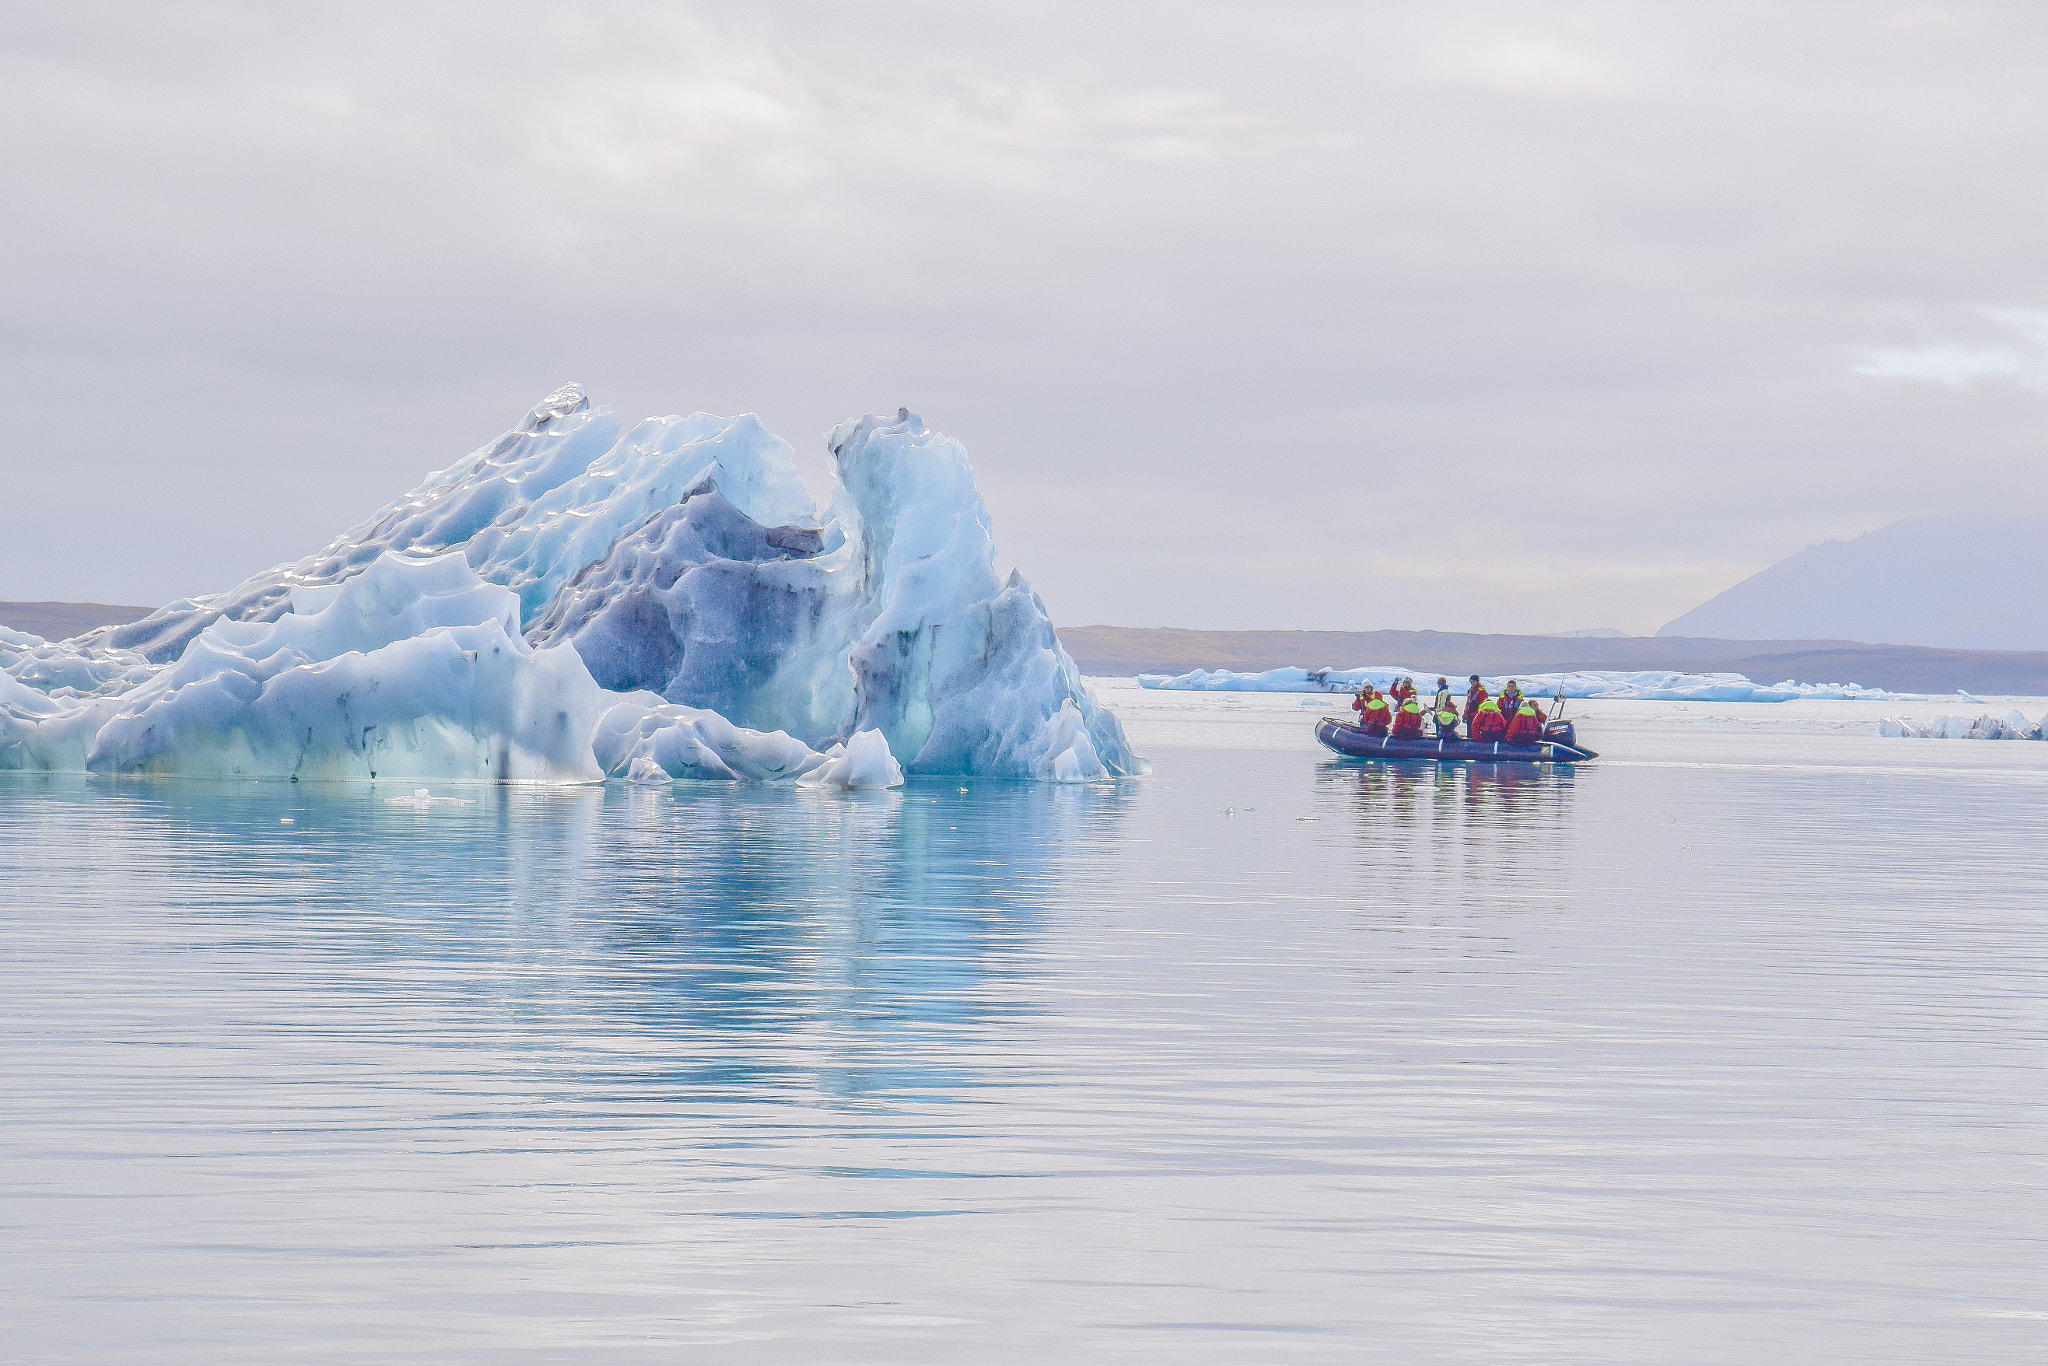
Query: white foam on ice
(1649, 685)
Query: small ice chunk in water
(862, 762)
(422, 798)
(648, 773)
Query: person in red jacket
(1474, 695)
(1488, 725)
(1374, 713)
(1525, 727)
(1403, 689)
(1408, 720)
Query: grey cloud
(1472, 316)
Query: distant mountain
(59, 620)
(1966, 582)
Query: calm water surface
(1727, 1048)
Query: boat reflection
(1428, 831)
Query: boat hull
(1354, 743)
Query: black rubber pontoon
(1354, 743)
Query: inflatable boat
(1559, 745)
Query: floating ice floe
(641, 735)
(2011, 726)
(422, 799)
(864, 761)
(1648, 685)
(568, 604)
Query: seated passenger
(1376, 714)
(1525, 727)
(1488, 725)
(1408, 720)
(1447, 722)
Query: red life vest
(1474, 695)
(1409, 720)
(1377, 712)
(1487, 722)
(1526, 727)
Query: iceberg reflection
(702, 942)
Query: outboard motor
(1555, 727)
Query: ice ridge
(2011, 726)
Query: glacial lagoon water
(1727, 1048)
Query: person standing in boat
(1475, 694)
(1403, 689)
(1511, 698)
(1488, 725)
(1408, 720)
(1442, 711)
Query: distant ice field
(1798, 732)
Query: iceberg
(889, 616)
(2011, 726)
(413, 668)
(569, 603)
(1638, 685)
(526, 511)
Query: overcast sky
(1479, 317)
